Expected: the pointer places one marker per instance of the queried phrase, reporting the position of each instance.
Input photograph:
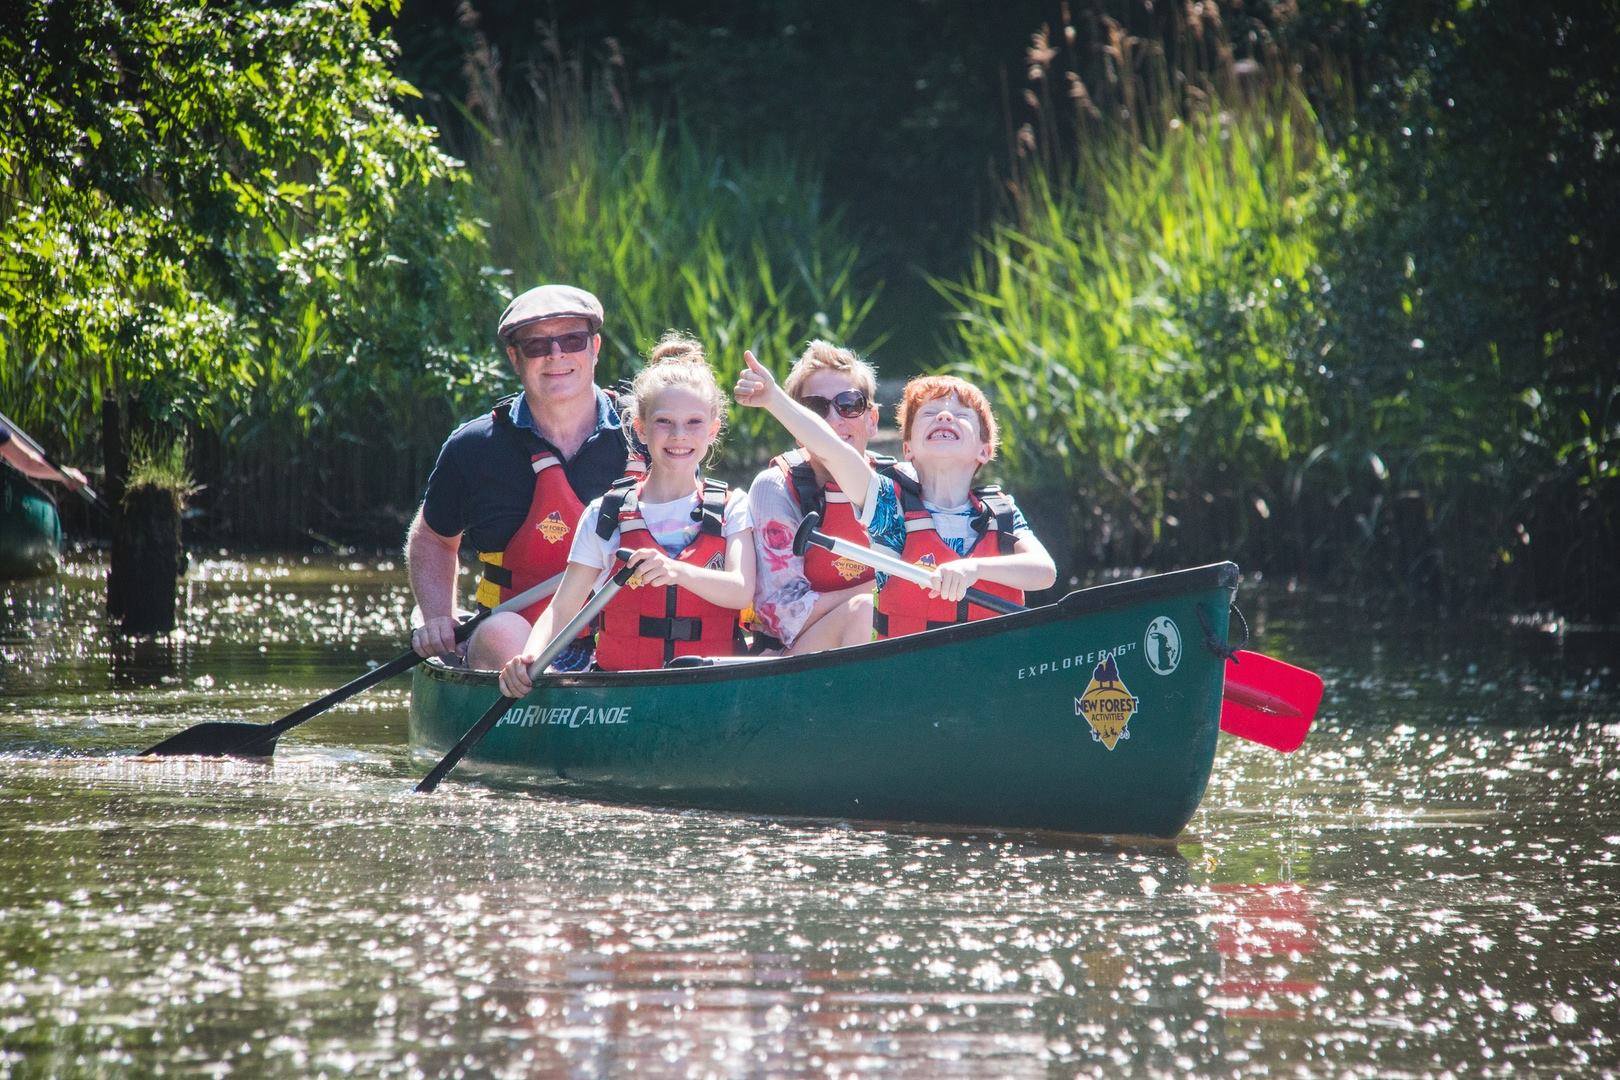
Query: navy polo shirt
(481, 486)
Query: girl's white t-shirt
(671, 524)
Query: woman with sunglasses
(796, 594)
(972, 535)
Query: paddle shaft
(895, 566)
(85, 490)
(259, 740)
(561, 641)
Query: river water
(1431, 886)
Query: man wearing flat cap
(514, 481)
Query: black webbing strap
(711, 509)
(812, 498)
(607, 522)
(673, 629)
(1212, 640)
(995, 504)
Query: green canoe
(30, 531)
(1096, 714)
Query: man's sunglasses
(540, 345)
(850, 403)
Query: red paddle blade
(1268, 701)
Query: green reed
(1217, 332)
(1144, 313)
(670, 232)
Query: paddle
(567, 634)
(1265, 700)
(85, 490)
(223, 738)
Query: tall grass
(1145, 310)
(1218, 332)
(669, 231)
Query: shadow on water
(1426, 887)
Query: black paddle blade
(218, 738)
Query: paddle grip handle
(807, 528)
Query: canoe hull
(30, 530)
(988, 733)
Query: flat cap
(550, 302)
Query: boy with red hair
(971, 536)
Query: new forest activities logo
(1107, 704)
(848, 568)
(553, 528)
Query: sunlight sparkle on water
(1427, 887)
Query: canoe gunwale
(1093, 600)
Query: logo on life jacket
(1107, 704)
(553, 528)
(927, 560)
(717, 561)
(849, 569)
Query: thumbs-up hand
(755, 385)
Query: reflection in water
(148, 661)
(1265, 935)
(1426, 888)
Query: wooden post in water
(147, 557)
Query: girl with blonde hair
(692, 537)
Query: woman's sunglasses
(850, 403)
(540, 345)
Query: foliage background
(1326, 287)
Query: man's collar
(607, 417)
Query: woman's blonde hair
(678, 360)
(825, 356)
(926, 388)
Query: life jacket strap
(711, 511)
(495, 577)
(675, 628)
(607, 522)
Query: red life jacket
(904, 608)
(647, 626)
(825, 571)
(539, 549)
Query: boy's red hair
(925, 388)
